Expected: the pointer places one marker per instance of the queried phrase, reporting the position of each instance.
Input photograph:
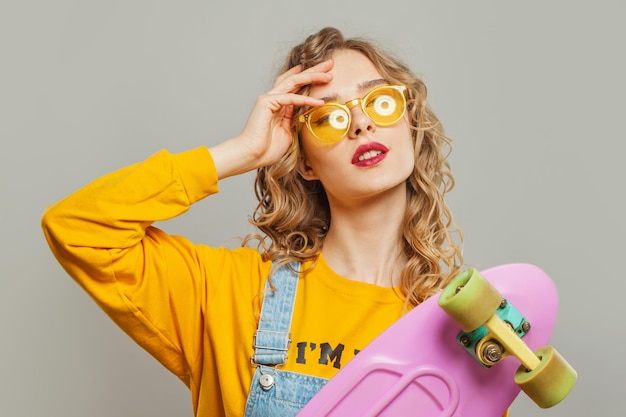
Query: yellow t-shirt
(193, 307)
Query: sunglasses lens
(329, 122)
(385, 106)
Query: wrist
(232, 157)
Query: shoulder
(240, 269)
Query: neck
(364, 241)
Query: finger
(322, 67)
(289, 72)
(287, 115)
(275, 102)
(296, 81)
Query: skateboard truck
(484, 345)
(493, 329)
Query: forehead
(351, 70)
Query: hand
(267, 136)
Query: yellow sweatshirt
(194, 307)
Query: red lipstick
(369, 154)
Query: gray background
(531, 92)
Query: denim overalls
(274, 392)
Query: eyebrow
(362, 87)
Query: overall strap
(272, 337)
(275, 392)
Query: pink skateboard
(467, 352)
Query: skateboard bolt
(526, 326)
(465, 341)
(492, 352)
(503, 303)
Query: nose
(360, 123)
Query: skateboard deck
(418, 366)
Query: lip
(371, 146)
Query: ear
(305, 170)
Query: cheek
(405, 135)
(408, 148)
(314, 150)
(310, 143)
(314, 157)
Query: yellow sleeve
(147, 281)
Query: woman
(354, 231)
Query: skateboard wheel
(548, 383)
(470, 300)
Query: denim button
(266, 381)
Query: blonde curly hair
(294, 215)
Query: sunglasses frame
(304, 118)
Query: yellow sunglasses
(384, 105)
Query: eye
(338, 119)
(333, 117)
(384, 105)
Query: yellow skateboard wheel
(470, 300)
(550, 382)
